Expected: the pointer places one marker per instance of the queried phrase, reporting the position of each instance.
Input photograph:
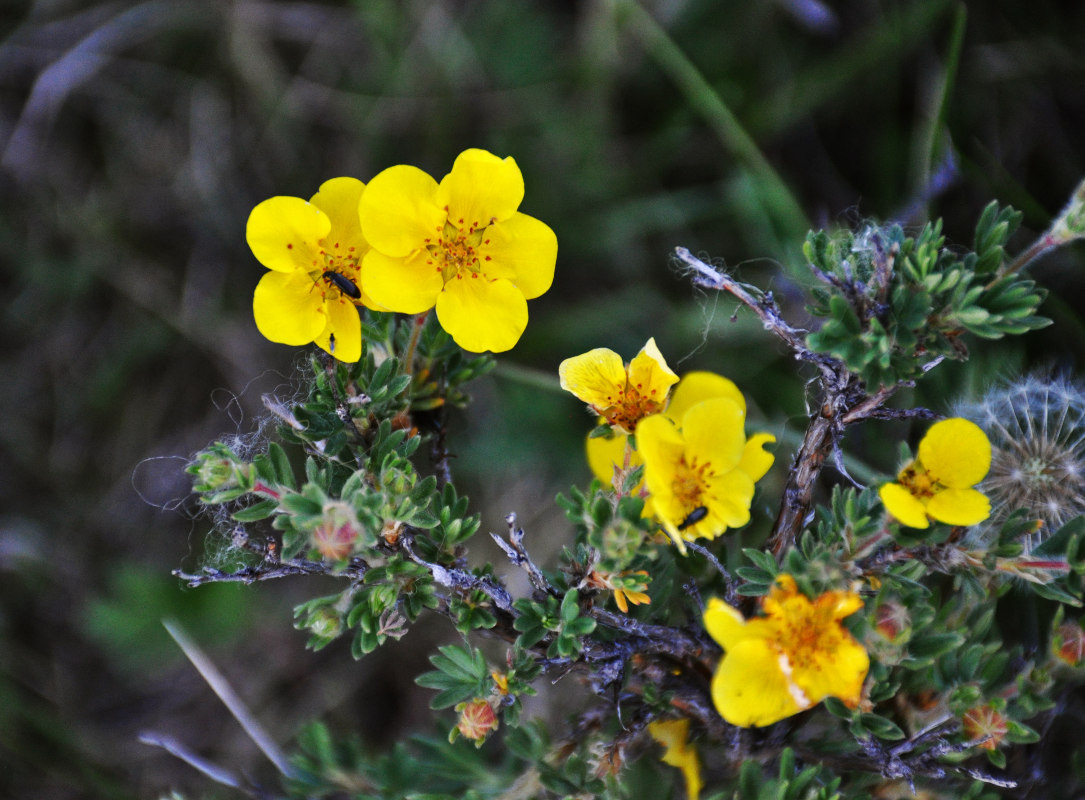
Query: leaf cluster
(893, 303)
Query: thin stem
(229, 697)
(706, 101)
(416, 331)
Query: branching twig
(517, 554)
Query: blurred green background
(136, 137)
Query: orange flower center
(455, 251)
(631, 406)
(339, 274)
(918, 481)
(690, 483)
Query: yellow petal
(750, 688)
(522, 249)
(649, 373)
(284, 233)
(756, 461)
(696, 387)
(338, 198)
(727, 498)
(408, 285)
(724, 623)
(839, 672)
(345, 324)
(288, 308)
(673, 734)
(597, 377)
(959, 506)
(956, 453)
(480, 189)
(899, 502)
(482, 314)
(399, 212)
(605, 454)
(714, 434)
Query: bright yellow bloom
(700, 469)
(788, 660)
(313, 250)
(673, 734)
(622, 394)
(694, 387)
(460, 246)
(953, 457)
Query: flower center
(455, 251)
(918, 481)
(690, 482)
(631, 407)
(339, 272)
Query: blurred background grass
(136, 137)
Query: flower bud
(337, 532)
(477, 721)
(985, 722)
(1068, 644)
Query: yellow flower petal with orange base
(622, 394)
(673, 734)
(460, 245)
(481, 188)
(399, 213)
(788, 660)
(954, 455)
(597, 377)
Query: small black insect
(343, 283)
(695, 516)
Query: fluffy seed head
(1037, 430)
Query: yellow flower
(700, 470)
(621, 394)
(694, 387)
(673, 734)
(460, 246)
(953, 457)
(313, 250)
(788, 660)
